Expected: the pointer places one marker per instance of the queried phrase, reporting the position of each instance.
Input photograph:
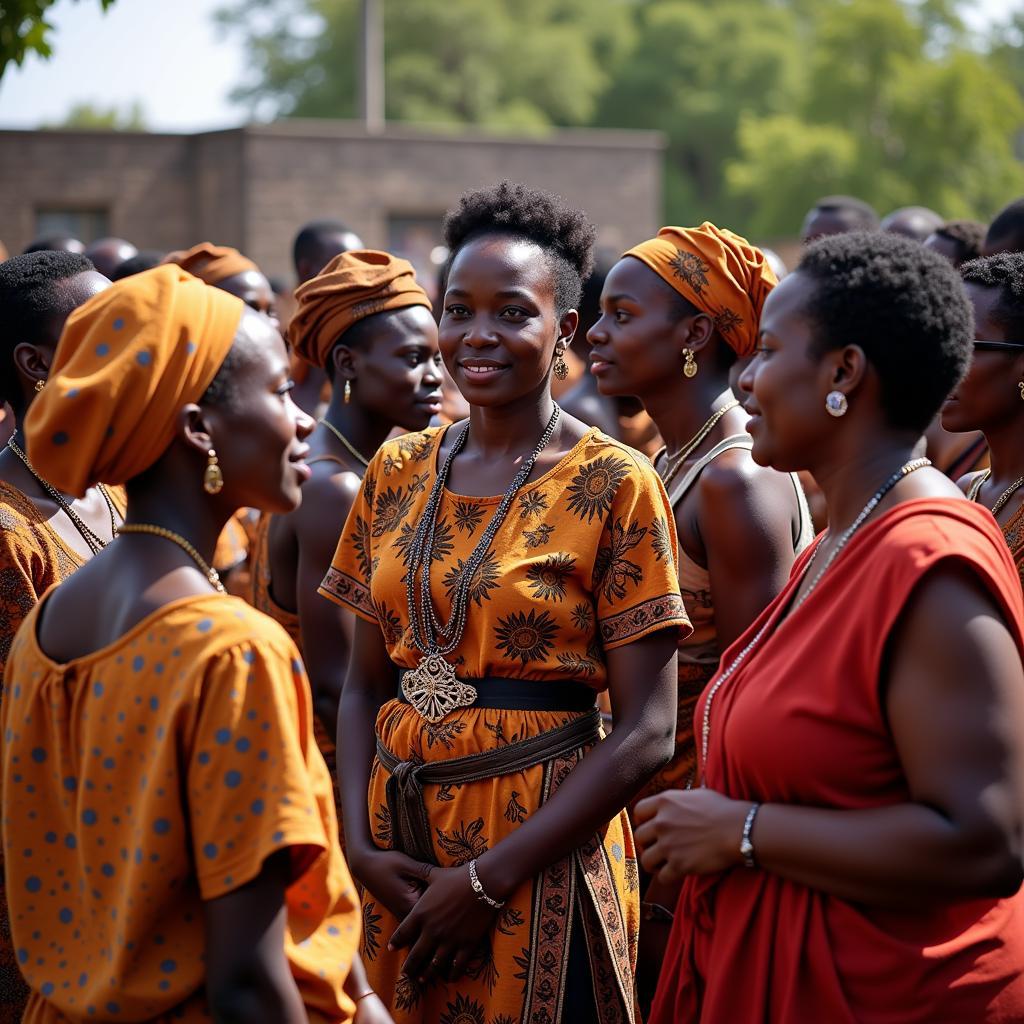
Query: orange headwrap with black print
(354, 285)
(721, 273)
(211, 263)
(127, 361)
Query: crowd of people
(564, 640)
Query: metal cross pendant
(433, 689)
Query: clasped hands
(443, 922)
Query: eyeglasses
(999, 346)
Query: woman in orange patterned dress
(366, 320)
(168, 821)
(44, 535)
(500, 875)
(991, 397)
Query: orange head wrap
(354, 285)
(127, 361)
(721, 273)
(211, 263)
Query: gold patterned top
(584, 562)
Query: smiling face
(989, 395)
(398, 374)
(786, 382)
(257, 430)
(633, 346)
(499, 325)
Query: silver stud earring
(836, 403)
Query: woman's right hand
(393, 878)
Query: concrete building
(253, 187)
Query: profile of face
(785, 384)
(990, 393)
(398, 375)
(254, 290)
(499, 325)
(258, 432)
(636, 345)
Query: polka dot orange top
(147, 777)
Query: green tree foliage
(765, 104)
(517, 65)
(90, 116)
(24, 30)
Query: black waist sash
(410, 823)
(525, 694)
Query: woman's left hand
(445, 928)
(689, 832)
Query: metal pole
(371, 78)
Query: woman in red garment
(852, 854)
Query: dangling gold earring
(561, 369)
(213, 478)
(690, 364)
(40, 384)
(1021, 386)
(348, 391)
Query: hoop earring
(348, 391)
(40, 384)
(561, 369)
(213, 478)
(689, 364)
(836, 403)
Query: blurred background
(239, 120)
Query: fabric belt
(410, 823)
(525, 694)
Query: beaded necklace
(903, 471)
(432, 688)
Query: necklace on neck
(432, 688)
(349, 447)
(176, 538)
(905, 470)
(975, 490)
(94, 542)
(675, 463)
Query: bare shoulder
(735, 477)
(326, 499)
(965, 482)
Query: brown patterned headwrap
(211, 263)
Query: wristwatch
(746, 843)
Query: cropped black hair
(967, 235)
(31, 296)
(904, 306)
(309, 241)
(1005, 272)
(857, 214)
(1007, 229)
(53, 243)
(547, 220)
(145, 260)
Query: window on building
(82, 223)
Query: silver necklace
(903, 471)
(432, 688)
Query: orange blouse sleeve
(255, 785)
(348, 580)
(636, 586)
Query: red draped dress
(803, 722)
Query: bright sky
(166, 54)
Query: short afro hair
(1007, 229)
(967, 236)
(904, 306)
(1005, 272)
(309, 244)
(547, 220)
(855, 213)
(147, 259)
(31, 297)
